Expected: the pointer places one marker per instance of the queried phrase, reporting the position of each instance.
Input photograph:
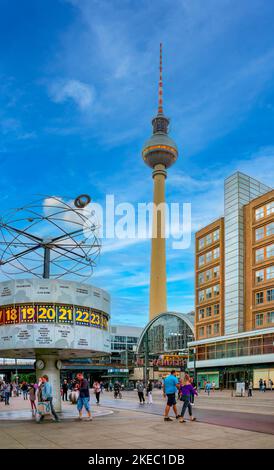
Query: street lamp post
(195, 372)
(193, 349)
(145, 374)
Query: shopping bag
(43, 408)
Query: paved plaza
(223, 422)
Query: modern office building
(124, 341)
(234, 313)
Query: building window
(216, 328)
(209, 256)
(260, 275)
(208, 293)
(259, 319)
(259, 213)
(216, 253)
(270, 272)
(132, 339)
(270, 251)
(216, 309)
(270, 208)
(259, 255)
(201, 278)
(220, 350)
(208, 275)
(201, 260)
(120, 339)
(259, 298)
(208, 330)
(269, 229)
(216, 235)
(201, 243)
(270, 317)
(208, 311)
(208, 239)
(216, 290)
(201, 314)
(201, 331)
(216, 272)
(201, 295)
(259, 233)
(270, 295)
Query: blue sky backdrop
(78, 89)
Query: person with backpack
(140, 390)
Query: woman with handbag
(186, 389)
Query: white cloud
(81, 93)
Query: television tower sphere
(160, 148)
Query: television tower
(159, 153)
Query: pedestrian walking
(261, 385)
(65, 390)
(83, 400)
(140, 389)
(97, 391)
(24, 388)
(192, 394)
(213, 386)
(264, 386)
(117, 390)
(170, 387)
(46, 394)
(208, 388)
(149, 392)
(6, 389)
(270, 384)
(32, 398)
(186, 390)
(250, 388)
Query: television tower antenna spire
(160, 89)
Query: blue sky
(78, 89)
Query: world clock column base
(46, 365)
